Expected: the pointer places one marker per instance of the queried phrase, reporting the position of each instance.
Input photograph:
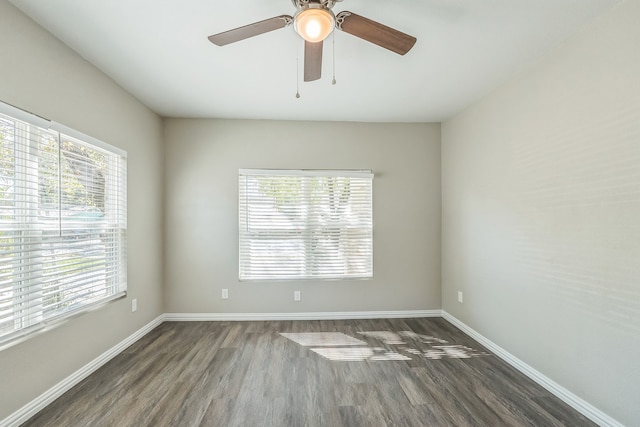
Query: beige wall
(202, 162)
(41, 75)
(541, 215)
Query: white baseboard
(579, 404)
(203, 317)
(33, 407)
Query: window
(63, 223)
(305, 224)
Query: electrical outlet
(460, 299)
(296, 295)
(134, 305)
(225, 293)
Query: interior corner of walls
(47, 397)
(579, 404)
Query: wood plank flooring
(388, 372)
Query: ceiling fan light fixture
(314, 24)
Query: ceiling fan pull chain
(297, 74)
(333, 40)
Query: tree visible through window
(305, 224)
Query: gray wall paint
(202, 162)
(541, 215)
(41, 75)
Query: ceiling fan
(314, 21)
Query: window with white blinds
(299, 224)
(63, 223)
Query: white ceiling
(158, 51)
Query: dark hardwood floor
(393, 372)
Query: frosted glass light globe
(314, 24)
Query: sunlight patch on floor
(322, 339)
(357, 354)
(401, 345)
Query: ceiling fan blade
(374, 32)
(251, 30)
(312, 61)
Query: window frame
(111, 267)
(304, 234)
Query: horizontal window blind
(296, 224)
(63, 225)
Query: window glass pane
(304, 225)
(7, 242)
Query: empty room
(319, 213)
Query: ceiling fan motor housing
(326, 4)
